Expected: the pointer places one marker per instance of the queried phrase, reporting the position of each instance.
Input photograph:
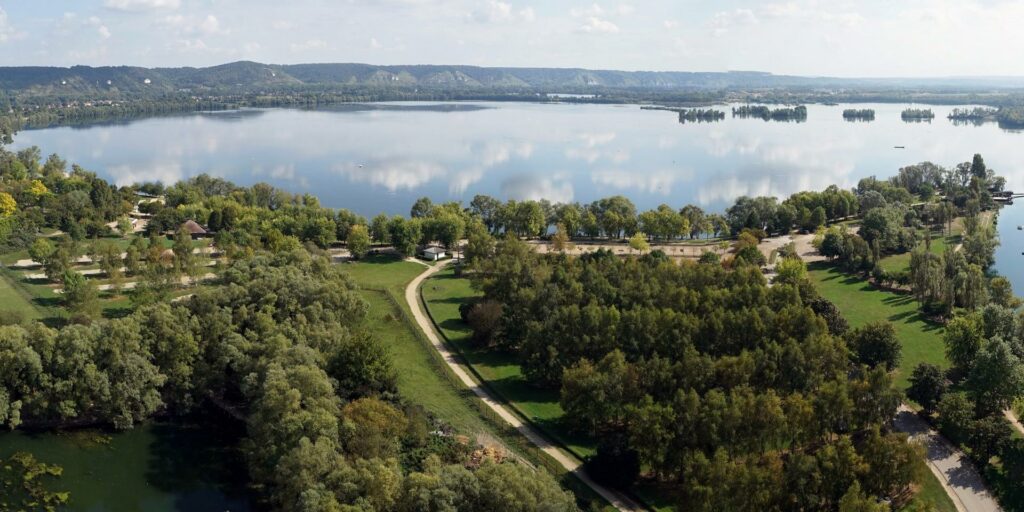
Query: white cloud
(7, 32)
(375, 44)
(723, 21)
(309, 44)
(670, 24)
(189, 25)
(555, 188)
(592, 10)
(651, 182)
(594, 25)
(392, 175)
(141, 5)
(495, 11)
(103, 31)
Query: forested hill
(249, 76)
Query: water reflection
(374, 158)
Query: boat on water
(899, 147)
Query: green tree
(560, 241)
(963, 340)
(996, 377)
(876, 344)
(358, 241)
(927, 386)
(379, 229)
(421, 208)
(80, 295)
(638, 242)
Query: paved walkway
(567, 461)
(950, 466)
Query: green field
(860, 303)
(13, 300)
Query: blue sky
(806, 37)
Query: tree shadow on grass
(454, 324)
(48, 302)
(114, 313)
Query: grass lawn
(901, 262)
(383, 271)
(13, 300)
(861, 303)
(443, 293)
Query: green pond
(158, 466)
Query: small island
(797, 114)
(700, 115)
(975, 116)
(862, 114)
(917, 115)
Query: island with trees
(859, 114)
(975, 116)
(700, 115)
(917, 115)
(796, 114)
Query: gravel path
(570, 463)
(950, 466)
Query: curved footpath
(950, 466)
(569, 462)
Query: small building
(193, 229)
(432, 253)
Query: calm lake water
(155, 467)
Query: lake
(373, 160)
(380, 158)
(159, 466)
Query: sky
(868, 38)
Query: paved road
(567, 461)
(953, 469)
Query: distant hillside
(253, 76)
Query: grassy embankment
(424, 378)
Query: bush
(484, 317)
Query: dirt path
(950, 466)
(567, 461)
